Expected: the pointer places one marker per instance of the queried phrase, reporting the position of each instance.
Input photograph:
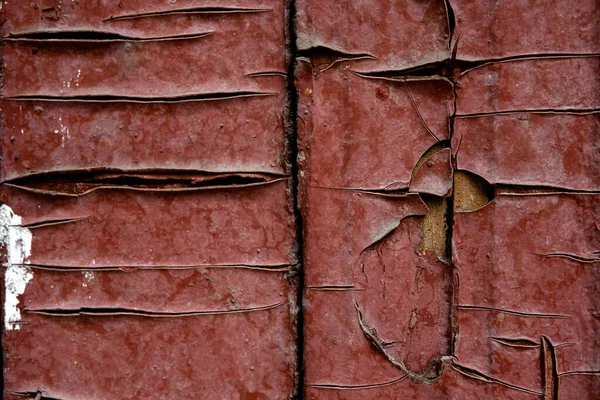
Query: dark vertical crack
(451, 21)
(292, 137)
(449, 209)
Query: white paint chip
(17, 241)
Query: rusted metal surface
(148, 216)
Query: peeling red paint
(533, 149)
(145, 153)
(446, 174)
(494, 29)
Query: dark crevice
(80, 183)
(582, 111)
(192, 10)
(103, 175)
(335, 288)
(107, 312)
(328, 54)
(61, 221)
(453, 67)
(322, 58)
(293, 149)
(449, 201)
(451, 21)
(332, 386)
(135, 268)
(141, 99)
(95, 36)
(510, 189)
(515, 313)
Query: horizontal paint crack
(336, 288)
(73, 190)
(516, 342)
(135, 268)
(333, 386)
(143, 99)
(576, 111)
(191, 10)
(474, 374)
(109, 312)
(512, 312)
(95, 37)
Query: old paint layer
(367, 133)
(234, 135)
(498, 29)
(511, 255)
(387, 35)
(534, 149)
(145, 157)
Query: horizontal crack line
(191, 10)
(355, 387)
(512, 312)
(575, 111)
(472, 373)
(143, 189)
(94, 37)
(143, 99)
(266, 268)
(108, 312)
(336, 288)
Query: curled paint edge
(17, 241)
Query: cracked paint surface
(310, 199)
(501, 146)
(148, 218)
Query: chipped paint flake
(88, 277)
(17, 240)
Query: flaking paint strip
(332, 386)
(512, 312)
(94, 37)
(135, 268)
(187, 11)
(143, 313)
(143, 189)
(17, 240)
(184, 98)
(480, 376)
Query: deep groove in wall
(292, 136)
(449, 209)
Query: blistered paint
(17, 240)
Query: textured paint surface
(309, 199)
(484, 284)
(150, 238)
